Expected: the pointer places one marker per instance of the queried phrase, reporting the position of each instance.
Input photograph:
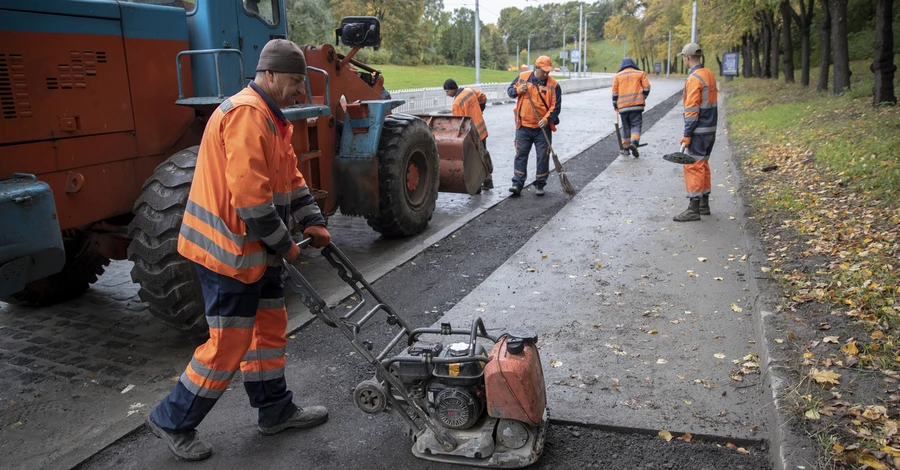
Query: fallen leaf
(850, 348)
(716, 278)
(824, 376)
(877, 335)
(777, 340)
(686, 437)
(555, 363)
(837, 448)
(719, 356)
(739, 449)
(735, 307)
(871, 461)
(651, 332)
(812, 414)
(666, 435)
(542, 256)
(763, 269)
(700, 259)
(891, 450)
(661, 361)
(830, 339)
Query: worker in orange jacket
(471, 102)
(245, 195)
(630, 89)
(700, 119)
(532, 123)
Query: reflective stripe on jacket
(246, 188)
(548, 93)
(700, 96)
(629, 90)
(468, 102)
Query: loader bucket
(462, 157)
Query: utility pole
(563, 48)
(529, 50)
(669, 56)
(694, 24)
(584, 55)
(477, 45)
(518, 51)
(580, 20)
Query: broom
(563, 179)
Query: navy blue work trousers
(525, 138)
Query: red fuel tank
(514, 381)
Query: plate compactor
(461, 403)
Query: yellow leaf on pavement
(872, 462)
(735, 307)
(743, 450)
(765, 269)
(825, 376)
(830, 339)
(877, 335)
(812, 414)
(652, 332)
(891, 450)
(719, 356)
(702, 259)
(686, 437)
(837, 448)
(850, 348)
(665, 435)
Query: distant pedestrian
(700, 119)
(245, 193)
(471, 102)
(538, 103)
(630, 89)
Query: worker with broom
(538, 103)
(629, 92)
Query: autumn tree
(883, 66)
(824, 48)
(309, 22)
(804, 24)
(839, 45)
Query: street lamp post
(529, 49)
(584, 55)
(624, 44)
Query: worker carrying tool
(531, 122)
(630, 89)
(471, 102)
(246, 193)
(700, 119)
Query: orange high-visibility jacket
(469, 102)
(245, 190)
(545, 97)
(701, 114)
(629, 90)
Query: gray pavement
(644, 321)
(99, 363)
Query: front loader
(108, 104)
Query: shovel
(619, 137)
(680, 158)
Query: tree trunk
(773, 49)
(804, 22)
(720, 64)
(824, 49)
(883, 65)
(840, 46)
(766, 45)
(788, 60)
(746, 65)
(754, 53)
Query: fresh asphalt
(638, 318)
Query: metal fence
(427, 100)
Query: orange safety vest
(468, 103)
(245, 165)
(700, 95)
(628, 90)
(540, 94)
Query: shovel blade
(680, 158)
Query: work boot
(634, 149)
(539, 191)
(692, 213)
(184, 445)
(515, 190)
(302, 418)
(704, 205)
(488, 184)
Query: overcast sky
(489, 10)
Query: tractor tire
(408, 177)
(84, 264)
(169, 282)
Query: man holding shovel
(700, 119)
(538, 103)
(629, 92)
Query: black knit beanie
(281, 55)
(450, 84)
